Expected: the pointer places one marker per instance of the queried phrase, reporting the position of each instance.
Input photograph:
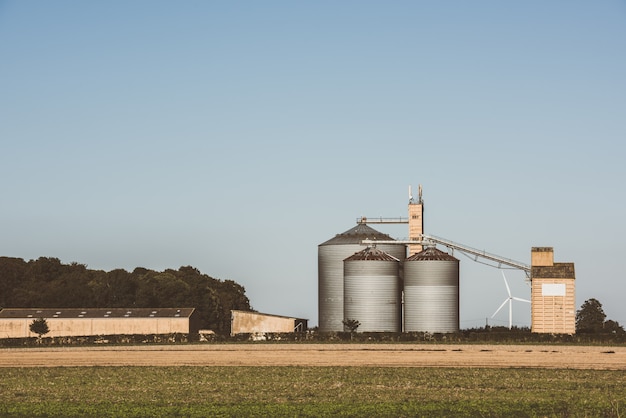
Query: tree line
(48, 283)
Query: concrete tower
(416, 220)
(553, 299)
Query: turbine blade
(508, 289)
(501, 306)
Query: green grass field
(308, 392)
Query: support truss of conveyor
(454, 246)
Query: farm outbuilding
(245, 322)
(15, 322)
(553, 294)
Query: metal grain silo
(330, 258)
(431, 292)
(372, 293)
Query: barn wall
(80, 327)
(14, 328)
(252, 322)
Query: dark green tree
(39, 326)
(590, 317)
(48, 283)
(351, 324)
(12, 275)
(613, 327)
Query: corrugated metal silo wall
(373, 295)
(431, 296)
(330, 281)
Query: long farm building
(15, 322)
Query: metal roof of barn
(96, 312)
(356, 235)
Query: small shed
(246, 322)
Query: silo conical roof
(431, 254)
(356, 235)
(371, 254)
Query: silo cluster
(367, 284)
(331, 271)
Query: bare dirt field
(383, 355)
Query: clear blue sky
(237, 136)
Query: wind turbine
(510, 300)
